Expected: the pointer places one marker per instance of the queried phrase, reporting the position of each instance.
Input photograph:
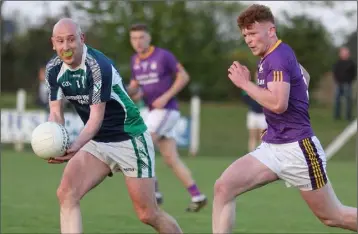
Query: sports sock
(194, 190)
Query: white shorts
(162, 122)
(300, 164)
(255, 120)
(133, 157)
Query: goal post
(20, 108)
(195, 106)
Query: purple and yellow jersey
(281, 65)
(155, 72)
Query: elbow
(95, 124)
(280, 108)
(137, 97)
(92, 128)
(186, 78)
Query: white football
(49, 139)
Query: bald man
(114, 138)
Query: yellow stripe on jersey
(277, 76)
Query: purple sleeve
(172, 63)
(278, 72)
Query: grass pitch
(28, 186)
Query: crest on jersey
(153, 65)
(136, 67)
(97, 86)
(261, 69)
(144, 65)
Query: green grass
(8, 100)
(28, 194)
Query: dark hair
(139, 27)
(255, 13)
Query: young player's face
(68, 44)
(140, 41)
(257, 38)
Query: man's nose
(66, 45)
(248, 40)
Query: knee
(330, 220)
(170, 160)
(221, 189)
(148, 216)
(66, 195)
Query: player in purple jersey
(290, 151)
(159, 77)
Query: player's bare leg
(141, 191)
(170, 154)
(254, 138)
(82, 173)
(169, 151)
(329, 210)
(243, 175)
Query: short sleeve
(278, 72)
(100, 81)
(172, 63)
(54, 89)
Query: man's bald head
(68, 41)
(68, 24)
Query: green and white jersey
(96, 80)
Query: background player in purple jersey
(158, 75)
(290, 151)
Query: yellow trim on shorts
(318, 176)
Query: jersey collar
(147, 54)
(273, 48)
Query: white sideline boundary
(341, 139)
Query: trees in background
(203, 36)
(23, 55)
(312, 44)
(352, 45)
(200, 34)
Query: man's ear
(82, 36)
(149, 38)
(53, 43)
(272, 31)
